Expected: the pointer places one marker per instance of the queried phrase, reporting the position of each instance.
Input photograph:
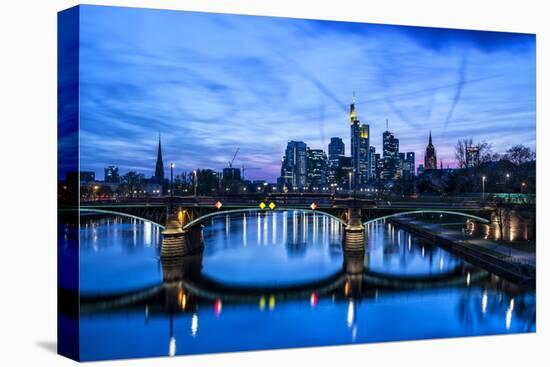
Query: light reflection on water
(284, 248)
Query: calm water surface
(277, 280)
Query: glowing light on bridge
(262, 205)
(313, 206)
(272, 302)
(182, 299)
(218, 204)
(272, 205)
(262, 303)
(218, 307)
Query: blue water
(278, 249)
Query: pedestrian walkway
(499, 250)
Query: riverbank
(510, 263)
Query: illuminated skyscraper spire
(352, 115)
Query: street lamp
(523, 184)
(172, 165)
(483, 186)
(350, 183)
(195, 182)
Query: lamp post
(350, 183)
(195, 182)
(172, 186)
(523, 184)
(483, 186)
(508, 185)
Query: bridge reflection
(186, 286)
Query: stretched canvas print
(233, 183)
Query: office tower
(364, 153)
(400, 166)
(316, 168)
(390, 156)
(345, 173)
(379, 166)
(372, 163)
(409, 166)
(87, 176)
(111, 174)
(430, 159)
(294, 166)
(336, 149)
(355, 145)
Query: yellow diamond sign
(262, 205)
(272, 205)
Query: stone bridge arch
(204, 217)
(428, 211)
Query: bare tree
(519, 154)
(485, 151)
(460, 151)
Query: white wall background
(28, 181)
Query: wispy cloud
(210, 83)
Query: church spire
(430, 137)
(159, 168)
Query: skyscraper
(400, 165)
(316, 168)
(355, 145)
(159, 168)
(336, 149)
(372, 163)
(430, 159)
(111, 174)
(294, 166)
(409, 166)
(390, 155)
(364, 153)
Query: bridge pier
(179, 242)
(354, 233)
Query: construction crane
(234, 155)
(246, 168)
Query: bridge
(157, 209)
(181, 217)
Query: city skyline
(458, 84)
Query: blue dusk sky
(209, 83)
